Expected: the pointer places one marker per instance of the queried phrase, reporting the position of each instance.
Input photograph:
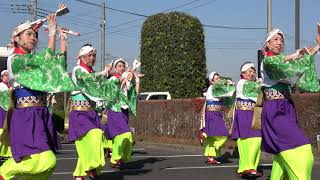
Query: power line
(141, 15)
(86, 2)
(22, 8)
(114, 9)
(119, 30)
(209, 2)
(49, 12)
(162, 11)
(79, 40)
(126, 35)
(84, 13)
(77, 20)
(234, 27)
(127, 12)
(186, 4)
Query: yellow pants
(34, 167)
(5, 150)
(90, 152)
(122, 147)
(213, 144)
(249, 153)
(293, 164)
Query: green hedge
(180, 118)
(173, 55)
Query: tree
(173, 55)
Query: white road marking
(169, 156)
(73, 150)
(172, 168)
(64, 173)
(210, 167)
(67, 150)
(138, 149)
(67, 144)
(139, 157)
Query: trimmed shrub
(173, 55)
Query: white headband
(4, 71)
(212, 75)
(119, 60)
(246, 66)
(35, 25)
(18, 29)
(85, 50)
(272, 33)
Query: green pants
(249, 153)
(213, 144)
(122, 147)
(293, 164)
(90, 153)
(34, 167)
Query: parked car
(4, 53)
(154, 96)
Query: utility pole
(297, 24)
(269, 28)
(103, 35)
(34, 13)
(269, 15)
(34, 9)
(103, 29)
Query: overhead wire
(186, 4)
(78, 20)
(209, 2)
(117, 31)
(234, 27)
(144, 16)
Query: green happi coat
(301, 72)
(224, 89)
(4, 99)
(251, 89)
(44, 71)
(106, 90)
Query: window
(3, 63)
(154, 97)
(142, 97)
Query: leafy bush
(173, 55)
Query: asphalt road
(155, 162)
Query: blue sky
(226, 49)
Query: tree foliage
(173, 55)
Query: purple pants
(81, 122)
(32, 132)
(242, 125)
(2, 116)
(117, 123)
(215, 125)
(280, 131)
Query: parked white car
(154, 96)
